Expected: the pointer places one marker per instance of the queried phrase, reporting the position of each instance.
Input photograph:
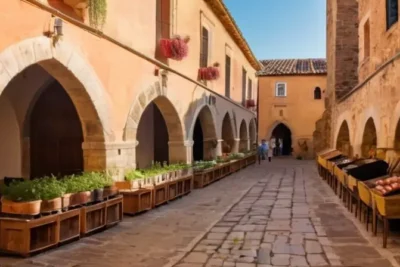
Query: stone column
(180, 151)
(114, 156)
(249, 145)
(209, 148)
(236, 145)
(218, 149)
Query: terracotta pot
(51, 205)
(66, 200)
(110, 191)
(23, 208)
(97, 194)
(80, 198)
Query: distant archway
(252, 133)
(369, 140)
(204, 135)
(343, 139)
(282, 132)
(227, 134)
(243, 145)
(158, 127)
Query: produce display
(156, 169)
(199, 166)
(388, 185)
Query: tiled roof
(275, 67)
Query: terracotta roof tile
(275, 67)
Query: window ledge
(392, 28)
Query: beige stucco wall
(110, 86)
(300, 110)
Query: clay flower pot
(51, 205)
(22, 208)
(97, 195)
(66, 200)
(80, 198)
(110, 191)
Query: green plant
(202, 165)
(73, 184)
(97, 13)
(133, 175)
(50, 188)
(22, 191)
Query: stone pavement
(276, 214)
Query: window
(392, 14)
(250, 90)
(227, 76)
(366, 39)
(163, 24)
(280, 89)
(244, 76)
(317, 93)
(204, 47)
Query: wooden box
(93, 218)
(204, 178)
(23, 237)
(136, 201)
(160, 194)
(187, 184)
(114, 211)
(70, 225)
(173, 189)
(234, 166)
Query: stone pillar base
(218, 149)
(236, 145)
(115, 157)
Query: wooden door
(55, 134)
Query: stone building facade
(291, 94)
(363, 76)
(77, 97)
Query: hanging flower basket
(175, 48)
(250, 103)
(209, 73)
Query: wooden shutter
(227, 76)
(391, 12)
(244, 74)
(204, 48)
(250, 90)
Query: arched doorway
(343, 139)
(369, 140)
(204, 136)
(227, 134)
(281, 131)
(158, 130)
(252, 133)
(243, 146)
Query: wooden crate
(136, 201)
(70, 225)
(234, 166)
(24, 237)
(173, 189)
(204, 178)
(114, 211)
(187, 184)
(218, 172)
(180, 188)
(93, 218)
(160, 194)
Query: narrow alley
(274, 214)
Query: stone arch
(244, 137)
(203, 133)
(227, 134)
(252, 132)
(65, 64)
(367, 114)
(394, 131)
(344, 117)
(73, 72)
(343, 139)
(369, 137)
(163, 107)
(273, 126)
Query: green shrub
(22, 191)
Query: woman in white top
(270, 152)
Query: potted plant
(134, 177)
(209, 73)
(175, 48)
(95, 184)
(21, 198)
(109, 186)
(78, 190)
(51, 191)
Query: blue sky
(277, 29)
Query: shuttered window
(163, 25)
(250, 90)
(244, 77)
(392, 14)
(227, 76)
(204, 48)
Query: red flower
(175, 48)
(250, 103)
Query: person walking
(280, 147)
(270, 154)
(272, 145)
(262, 151)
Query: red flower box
(209, 73)
(250, 103)
(175, 48)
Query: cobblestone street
(276, 214)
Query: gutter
(100, 34)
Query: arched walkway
(252, 133)
(283, 133)
(227, 134)
(369, 139)
(204, 135)
(159, 130)
(78, 91)
(343, 139)
(244, 139)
